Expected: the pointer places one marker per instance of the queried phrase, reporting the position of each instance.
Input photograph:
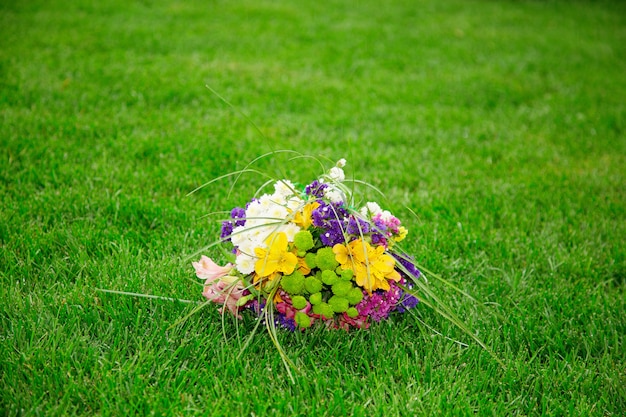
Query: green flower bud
(352, 312)
(302, 320)
(338, 304)
(347, 274)
(293, 284)
(315, 298)
(323, 309)
(355, 296)
(298, 302)
(342, 288)
(329, 277)
(310, 260)
(303, 240)
(325, 259)
(312, 285)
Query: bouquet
(308, 255)
(311, 255)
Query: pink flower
(209, 270)
(345, 322)
(219, 287)
(227, 291)
(287, 309)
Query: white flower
(341, 163)
(284, 189)
(245, 263)
(290, 230)
(264, 203)
(247, 247)
(386, 216)
(254, 209)
(295, 204)
(333, 195)
(337, 174)
(370, 208)
(238, 236)
(276, 212)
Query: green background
(500, 124)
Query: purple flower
(329, 218)
(328, 211)
(357, 226)
(379, 233)
(227, 230)
(380, 303)
(380, 226)
(378, 240)
(332, 233)
(339, 210)
(316, 189)
(409, 266)
(283, 321)
(408, 301)
(239, 215)
(320, 215)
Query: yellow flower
(303, 267)
(372, 267)
(277, 258)
(303, 217)
(402, 232)
(264, 282)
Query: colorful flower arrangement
(309, 255)
(304, 255)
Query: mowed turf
(495, 128)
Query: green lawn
(500, 124)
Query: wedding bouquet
(305, 255)
(311, 255)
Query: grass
(501, 124)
